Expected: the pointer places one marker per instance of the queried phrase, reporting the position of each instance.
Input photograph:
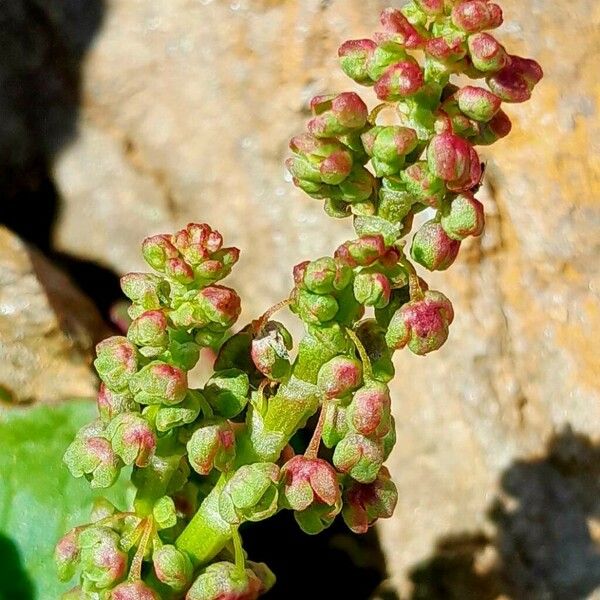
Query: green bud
(339, 376)
(326, 275)
(168, 417)
(132, 439)
(359, 457)
(159, 383)
(103, 563)
(270, 351)
(173, 567)
(251, 494)
(227, 392)
(164, 513)
(149, 331)
(116, 362)
(147, 290)
(212, 445)
(372, 288)
(335, 425)
(315, 308)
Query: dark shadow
(14, 581)
(43, 44)
(334, 564)
(547, 544)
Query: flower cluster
(205, 461)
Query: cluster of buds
(204, 461)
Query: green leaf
(39, 500)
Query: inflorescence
(204, 461)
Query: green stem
(364, 357)
(240, 560)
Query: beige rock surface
(47, 329)
(188, 106)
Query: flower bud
(172, 567)
(354, 58)
(401, 80)
(515, 82)
(477, 103)
(339, 376)
(178, 270)
(369, 411)
(315, 308)
(227, 392)
(476, 15)
(433, 8)
(326, 275)
(116, 362)
(388, 146)
(197, 242)
(357, 187)
(270, 351)
(103, 563)
(92, 456)
(145, 289)
(157, 250)
(251, 494)
(132, 439)
(361, 252)
(159, 383)
(335, 424)
(372, 289)
(168, 417)
(422, 325)
(359, 457)
(150, 330)
(487, 54)
(110, 404)
(224, 581)
(422, 184)
(493, 130)
(365, 503)
(220, 305)
(337, 115)
(463, 217)
(395, 202)
(164, 513)
(311, 489)
(447, 48)
(133, 590)
(66, 554)
(398, 30)
(454, 160)
(433, 248)
(212, 445)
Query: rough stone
(188, 106)
(47, 329)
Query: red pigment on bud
(136, 590)
(299, 271)
(454, 160)
(369, 408)
(431, 7)
(476, 15)
(446, 50)
(363, 47)
(400, 80)
(350, 110)
(67, 548)
(362, 252)
(338, 164)
(487, 53)
(401, 30)
(317, 473)
(142, 437)
(224, 300)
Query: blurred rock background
(123, 118)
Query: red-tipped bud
(493, 130)
(422, 184)
(369, 411)
(133, 590)
(270, 351)
(399, 81)
(103, 563)
(116, 362)
(66, 554)
(422, 325)
(326, 275)
(197, 242)
(157, 250)
(398, 30)
(446, 48)
(178, 270)
(388, 146)
(354, 59)
(132, 439)
(365, 503)
(220, 305)
(463, 217)
(515, 82)
(473, 16)
(110, 404)
(337, 115)
(454, 160)
(359, 456)
(172, 567)
(487, 54)
(150, 330)
(299, 272)
(311, 488)
(372, 289)
(431, 7)
(339, 376)
(433, 248)
(212, 445)
(159, 383)
(362, 252)
(144, 289)
(478, 103)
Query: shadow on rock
(547, 540)
(43, 46)
(14, 581)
